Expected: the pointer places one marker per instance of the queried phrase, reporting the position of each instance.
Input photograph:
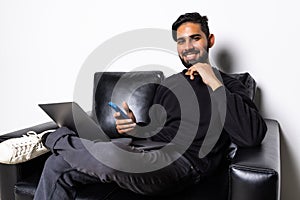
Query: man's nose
(188, 45)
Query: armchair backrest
(136, 88)
(248, 81)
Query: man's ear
(211, 40)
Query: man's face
(192, 44)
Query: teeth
(190, 55)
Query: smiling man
(226, 112)
(193, 102)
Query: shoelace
(31, 141)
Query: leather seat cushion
(212, 188)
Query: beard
(201, 59)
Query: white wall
(43, 45)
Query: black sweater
(201, 122)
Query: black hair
(191, 17)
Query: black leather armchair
(251, 173)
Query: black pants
(71, 164)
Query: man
(200, 139)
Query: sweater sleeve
(243, 123)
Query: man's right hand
(125, 126)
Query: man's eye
(196, 38)
(180, 41)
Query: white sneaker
(18, 150)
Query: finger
(124, 131)
(129, 111)
(124, 127)
(126, 107)
(192, 74)
(124, 121)
(188, 72)
(117, 115)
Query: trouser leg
(172, 177)
(58, 180)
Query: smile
(191, 56)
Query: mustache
(192, 51)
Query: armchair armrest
(255, 172)
(10, 174)
(38, 128)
